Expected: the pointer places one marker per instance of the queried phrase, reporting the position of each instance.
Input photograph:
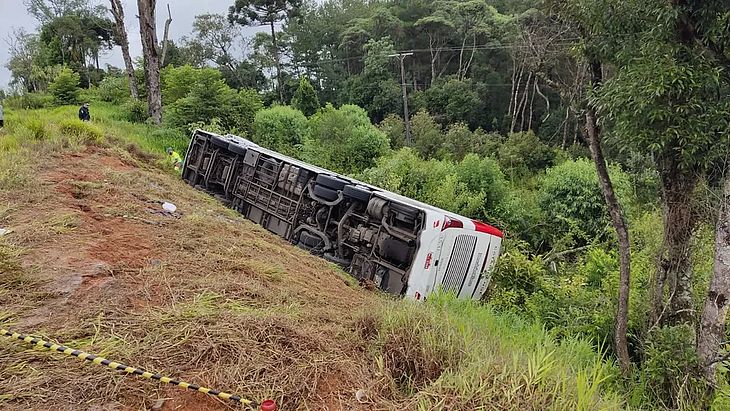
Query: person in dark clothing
(84, 114)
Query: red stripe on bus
(486, 228)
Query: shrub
(114, 89)
(395, 128)
(460, 141)
(30, 101)
(178, 82)
(454, 101)
(524, 153)
(515, 278)
(426, 133)
(306, 99)
(280, 128)
(36, 127)
(135, 111)
(211, 98)
(667, 375)
(572, 200)
(82, 131)
(65, 87)
(344, 140)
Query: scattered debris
(169, 207)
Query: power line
(567, 42)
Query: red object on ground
(268, 405)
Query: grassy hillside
(208, 297)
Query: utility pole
(404, 86)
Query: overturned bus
(403, 246)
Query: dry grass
(210, 298)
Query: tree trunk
(118, 13)
(148, 32)
(619, 224)
(433, 58)
(674, 263)
(279, 81)
(166, 36)
(712, 325)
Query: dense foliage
(497, 93)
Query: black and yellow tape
(121, 367)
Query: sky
(13, 14)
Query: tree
(678, 118)
(123, 40)
(711, 333)
(266, 12)
(47, 10)
(618, 220)
(344, 140)
(306, 99)
(217, 39)
(280, 128)
(427, 136)
(65, 88)
(23, 49)
(148, 33)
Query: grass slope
(210, 298)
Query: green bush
(306, 99)
(344, 140)
(473, 187)
(30, 101)
(427, 137)
(211, 98)
(668, 374)
(135, 111)
(572, 200)
(280, 128)
(65, 87)
(36, 127)
(454, 101)
(114, 89)
(81, 131)
(178, 82)
(515, 278)
(523, 154)
(395, 128)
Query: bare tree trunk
(523, 101)
(565, 129)
(279, 80)
(532, 104)
(619, 224)
(471, 57)
(434, 57)
(118, 13)
(515, 108)
(148, 32)
(712, 325)
(166, 36)
(461, 59)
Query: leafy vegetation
(504, 99)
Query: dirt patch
(204, 296)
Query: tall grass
(26, 125)
(460, 355)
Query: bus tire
(324, 193)
(357, 193)
(330, 182)
(309, 241)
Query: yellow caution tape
(121, 367)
